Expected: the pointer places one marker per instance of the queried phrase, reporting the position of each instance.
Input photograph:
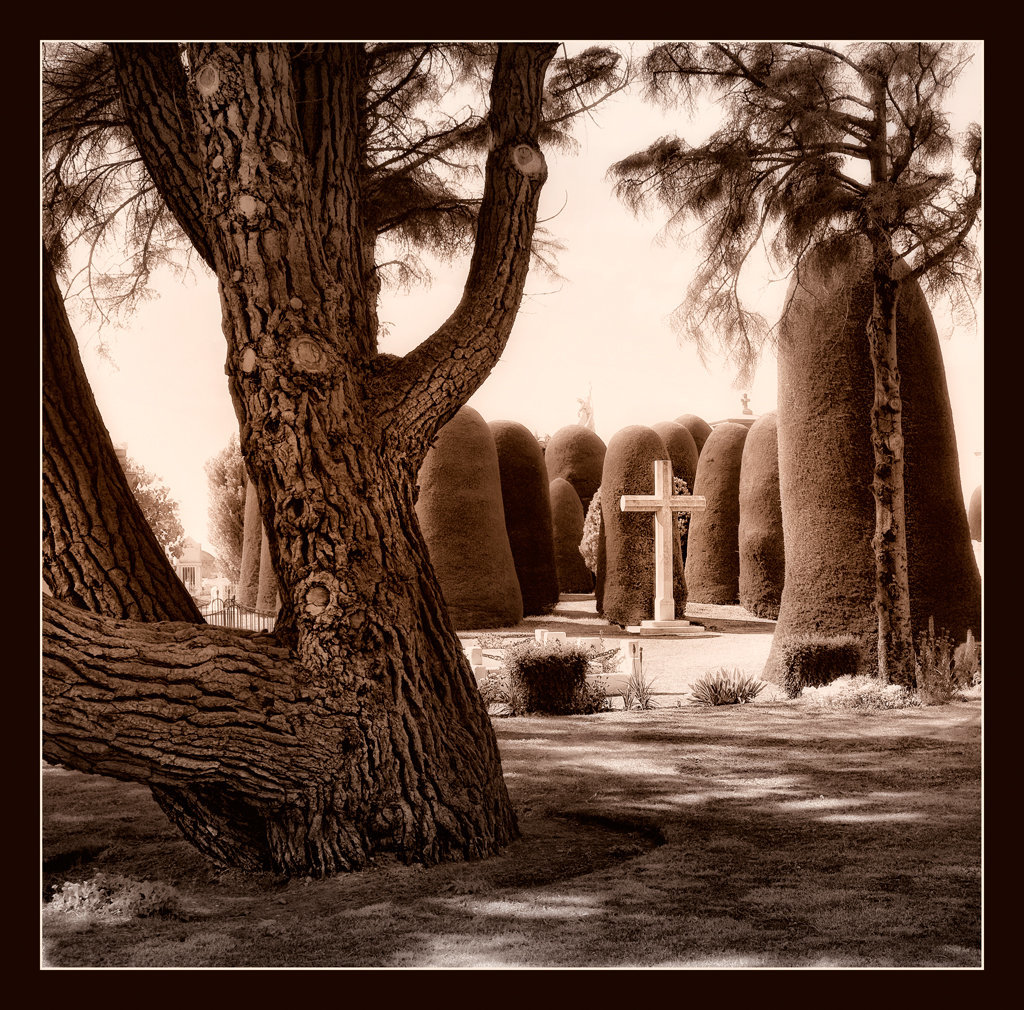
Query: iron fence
(231, 614)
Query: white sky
(605, 326)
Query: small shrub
(967, 663)
(591, 533)
(112, 895)
(549, 677)
(861, 693)
(638, 693)
(726, 687)
(934, 668)
(814, 660)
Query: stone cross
(664, 505)
(745, 400)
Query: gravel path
(671, 665)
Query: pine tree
(823, 149)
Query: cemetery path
(670, 664)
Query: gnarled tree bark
(356, 729)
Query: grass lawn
(773, 834)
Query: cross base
(679, 629)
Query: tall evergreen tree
(823, 149)
(226, 481)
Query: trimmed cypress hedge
(682, 449)
(826, 389)
(266, 596)
(712, 551)
(252, 534)
(567, 530)
(974, 514)
(527, 506)
(627, 562)
(762, 554)
(816, 660)
(462, 519)
(576, 454)
(698, 428)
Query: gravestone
(664, 505)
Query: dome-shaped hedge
(682, 450)
(527, 505)
(628, 558)
(826, 389)
(462, 519)
(576, 454)
(697, 427)
(762, 555)
(712, 552)
(567, 529)
(974, 514)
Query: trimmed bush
(576, 454)
(974, 514)
(567, 532)
(762, 553)
(682, 450)
(726, 687)
(627, 592)
(252, 537)
(527, 507)
(967, 663)
(698, 428)
(551, 677)
(462, 519)
(864, 694)
(267, 595)
(814, 660)
(712, 552)
(826, 464)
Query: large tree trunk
(356, 729)
(892, 586)
(98, 550)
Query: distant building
(201, 573)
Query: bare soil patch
(772, 834)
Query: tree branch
(417, 394)
(151, 79)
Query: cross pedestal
(664, 505)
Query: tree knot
(530, 161)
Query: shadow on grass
(755, 835)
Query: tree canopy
(162, 512)
(424, 128)
(226, 482)
(819, 145)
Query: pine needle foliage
(807, 155)
(424, 136)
